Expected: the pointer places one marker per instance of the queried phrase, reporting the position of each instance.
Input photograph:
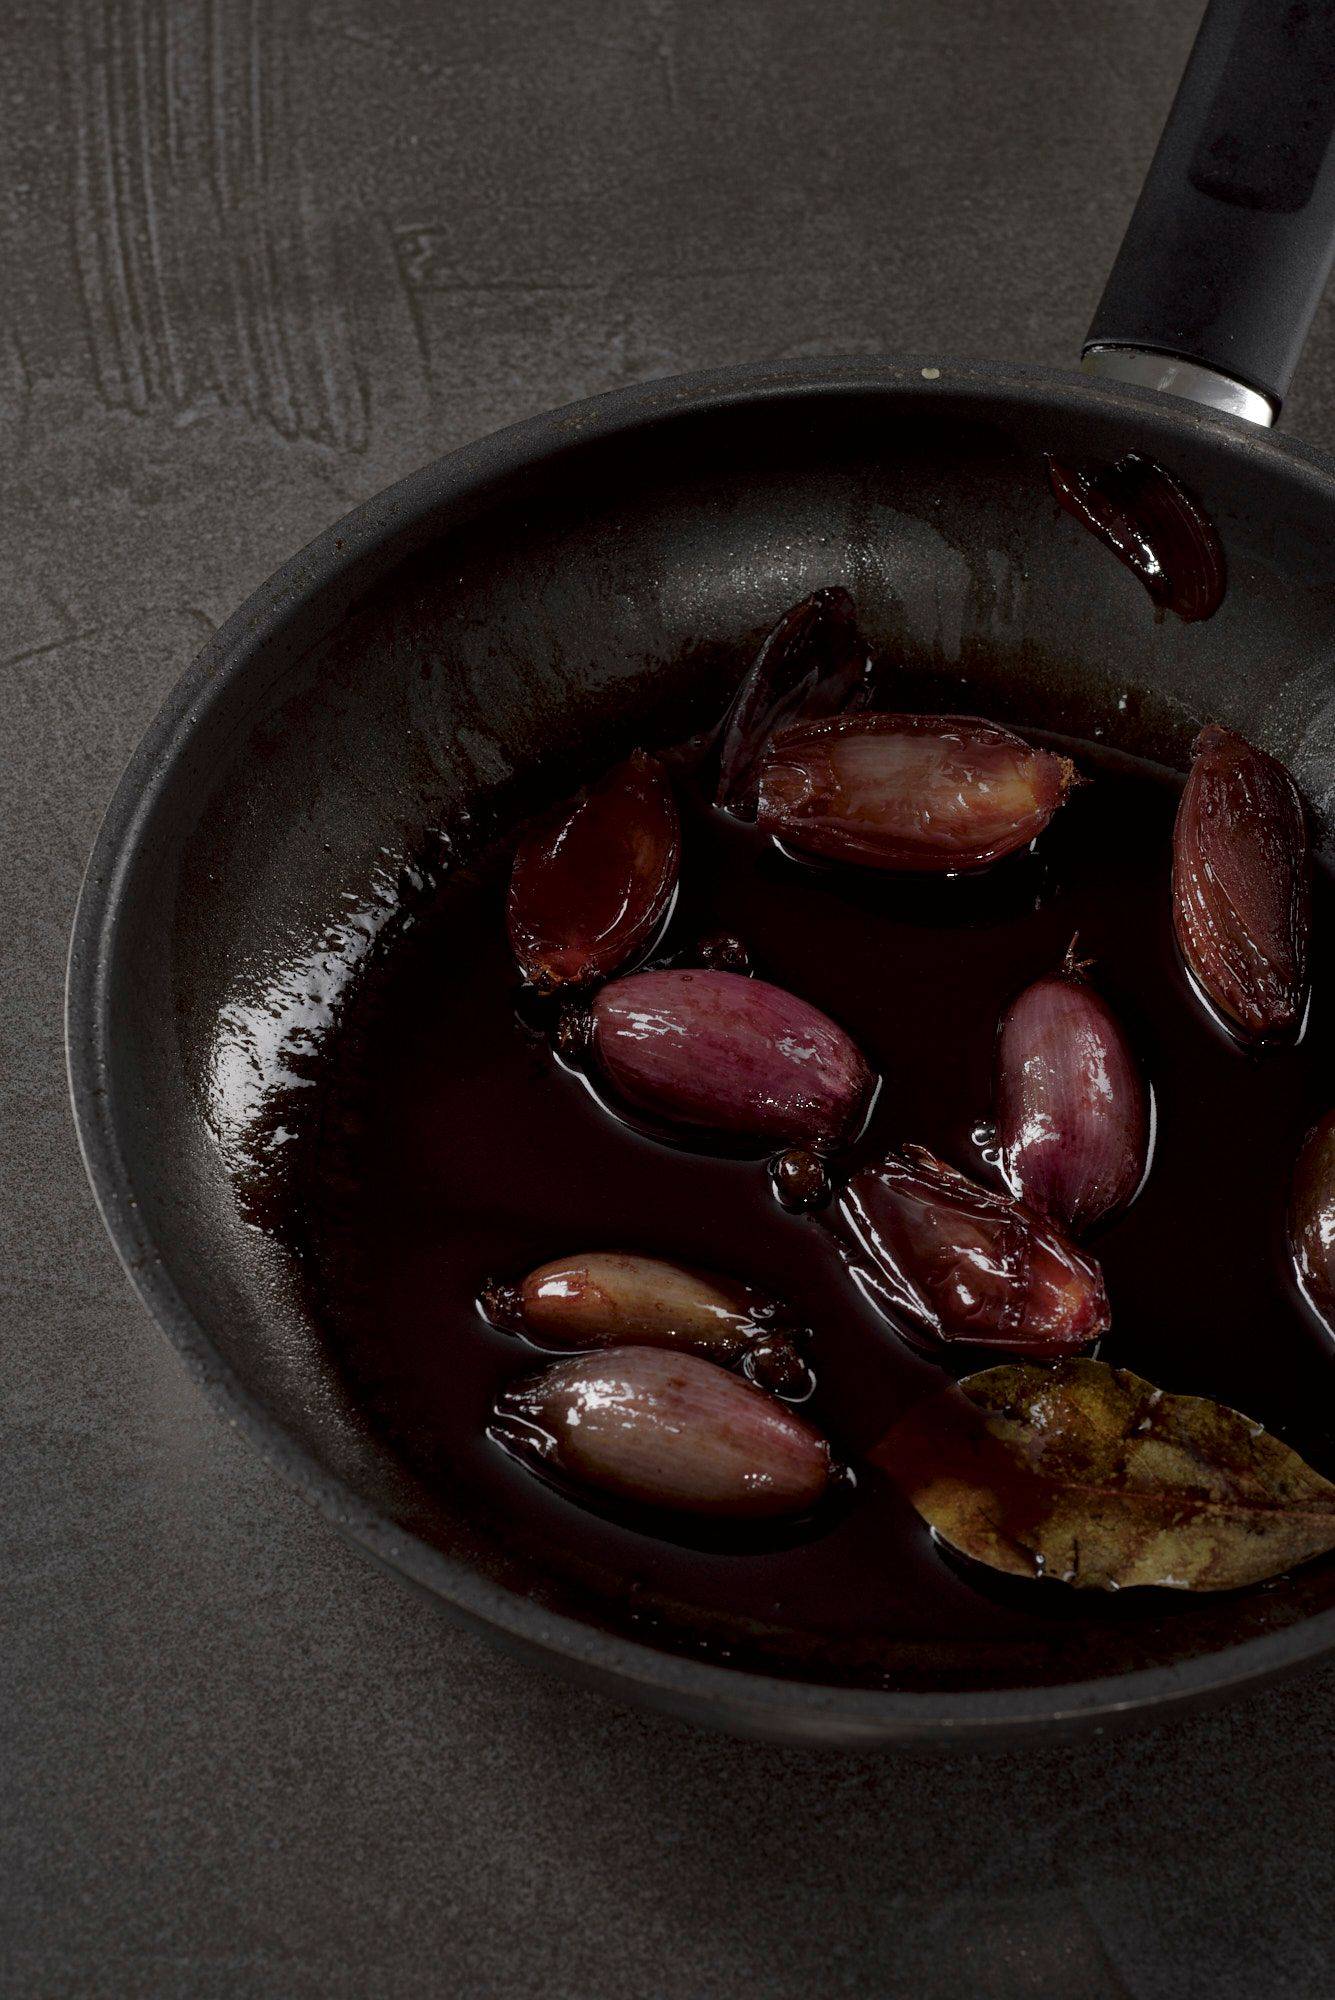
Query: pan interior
(487, 650)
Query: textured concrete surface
(260, 259)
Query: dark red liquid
(449, 1146)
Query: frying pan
(506, 620)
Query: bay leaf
(1090, 1474)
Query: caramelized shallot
(814, 662)
(962, 1263)
(667, 1430)
(734, 1055)
(593, 884)
(938, 794)
(1151, 524)
(1071, 1107)
(607, 1298)
(1312, 1217)
(1241, 886)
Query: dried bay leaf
(1090, 1474)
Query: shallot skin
(1242, 886)
(965, 1264)
(813, 662)
(1072, 1110)
(1312, 1217)
(927, 794)
(732, 1055)
(667, 1430)
(593, 884)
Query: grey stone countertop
(260, 258)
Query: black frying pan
(510, 617)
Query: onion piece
(593, 883)
(935, 794)
(1242, 886)
(1072, 1110)
(962, 1263)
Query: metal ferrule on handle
(1230, 245)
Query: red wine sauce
(449, 1146)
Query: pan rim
(724, 1697)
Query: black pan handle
(1231, 242)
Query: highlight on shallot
(593, 883)
(667, 1430)
(962, 1263)
(1242, 886)
(928, 794)
(1072, 1109)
